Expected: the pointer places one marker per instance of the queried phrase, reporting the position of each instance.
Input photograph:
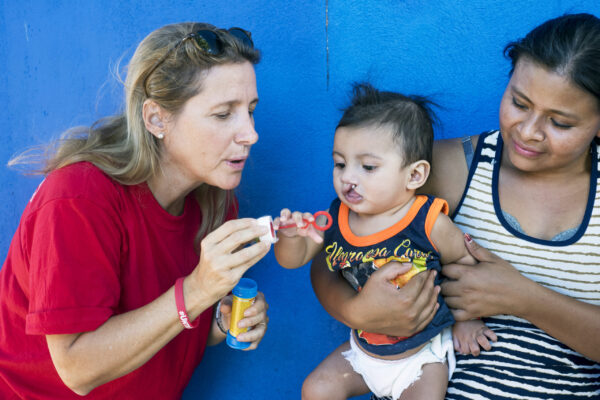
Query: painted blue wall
(56, 68)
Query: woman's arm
(379, 306)
(493, 287)
(123, 343)
(127, 341)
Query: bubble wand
(271, 236)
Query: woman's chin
(228, 184)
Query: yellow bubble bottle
(243, 297)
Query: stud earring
(161, 135)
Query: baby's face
(368, 173)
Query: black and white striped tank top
(526, 363)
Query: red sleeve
(74, 256)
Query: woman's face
(547, 122)
(210, 139)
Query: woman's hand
(300, 228)
(225, 255)
(255, 318)
(398, 312)
(490, 287)
(379, 307)
(493, 287)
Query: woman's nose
(247, 134)
(531, 128)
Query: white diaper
(392, 377)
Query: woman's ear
(154, 118)
(419, 172)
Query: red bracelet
(180, 303)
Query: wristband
(180, 303)
(219, 317)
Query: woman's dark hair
(568, 45)
(410, 118)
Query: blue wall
(55, 72)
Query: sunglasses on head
(209, 41)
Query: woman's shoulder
(449, 169)
(81, 180)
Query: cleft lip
(351, 194)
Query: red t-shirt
(88, 248)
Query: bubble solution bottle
(243, 297)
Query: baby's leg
(432, 384)
(334, 379)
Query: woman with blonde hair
(110, 280)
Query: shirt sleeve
(74, 257)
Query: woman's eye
(559, 125)
(518, 105)
(223, 115)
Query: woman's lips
(236, 163)
(525, 151)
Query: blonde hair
(120, 145)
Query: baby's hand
(293, 224)
(469, 336)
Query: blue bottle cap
(235, 344)
(245, 289)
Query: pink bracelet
(180, 303)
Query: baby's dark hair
(410, 118)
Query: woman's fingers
(480, 253)
(224, 259)
(392, 269)
(222, 245)
(233, 234)
(228, 228)
(411, 307)
(256, 320)
(426, 301)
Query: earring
(161, 135)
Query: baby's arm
(468, 336)
(296, 246)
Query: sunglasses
(209, 41)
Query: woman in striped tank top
(530, 201)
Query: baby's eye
(339, 165)
(369, 168)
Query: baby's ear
(419, 172)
